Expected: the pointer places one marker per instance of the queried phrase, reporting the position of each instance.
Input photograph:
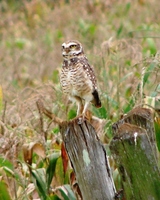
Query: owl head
(71, 49)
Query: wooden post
(134, 150)
(89, 160)
(87, 156)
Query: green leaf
(148, 73)
(129, 106)
(55, 130)
(60, 171)
(4, 193)
(127, 8)
(108, 129)
(9, 172)
(20, 43)
(152, 45)
(39, 179)
(8, 168)
(92, 29)
(101, 112)
(58, 35)
(119, 31)
(67, 193)
(87, 28)
(54, 197)
(71, 114)
(51, 167)
(5, 163)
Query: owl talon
(80, 120)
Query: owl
(77, 77)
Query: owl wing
(89, 71)
(91, 75)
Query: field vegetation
(121, 40)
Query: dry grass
(121, 40)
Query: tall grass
(121, 40)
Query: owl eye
(72, 46)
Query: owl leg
(79, 104)
(80, 108)
(82, 117)
(85, 108)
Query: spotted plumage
(77, 77)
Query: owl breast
(74, 82)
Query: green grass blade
(4, 193)
(40, 182)
(6, 163)
(67, 192)
(51, 167)
(148, 73)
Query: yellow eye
(72, 46)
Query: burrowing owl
(77, 77)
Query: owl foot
(82, 117)
(80, 120)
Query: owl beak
(67, 50)
(65, 55)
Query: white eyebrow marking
(64, 45)
(72, 43)
(68, 45)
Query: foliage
(121, 40)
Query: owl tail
(96, 101)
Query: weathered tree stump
(87, 156)
(134, 151)
(89, 160)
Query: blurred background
(120, 38)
